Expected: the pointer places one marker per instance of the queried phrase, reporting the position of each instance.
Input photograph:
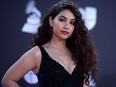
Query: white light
(89, 15)
(31, 78)
(33, 20)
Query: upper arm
(28, 61)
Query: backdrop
(19, 19)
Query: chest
(63, 58)
(54, 74)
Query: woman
(62, 54)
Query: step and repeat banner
(19, 20)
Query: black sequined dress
(53, 74)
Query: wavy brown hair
(79, 44)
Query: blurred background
(19, 20)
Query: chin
(65, 38)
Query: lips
(65, 32)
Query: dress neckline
(59, 63)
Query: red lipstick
(65, 32)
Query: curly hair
(79, 44)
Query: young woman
(62, 54)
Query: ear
(51, 21)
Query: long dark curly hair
(79, 44)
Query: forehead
(66, 13)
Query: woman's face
(63, 24)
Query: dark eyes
(73, 23)
(63, 20)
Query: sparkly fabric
(52, 74)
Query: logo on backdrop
(89, 14)
(31, 78)
(33, 20)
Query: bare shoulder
(36, 57)
(30, 60)
(32, 54)
(34, 50)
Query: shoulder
(35, 49)
(35, 52)
(34, 55)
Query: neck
(57, 43)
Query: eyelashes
(73, 23)
(65, 20)
(61, 19)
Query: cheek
(72, 30)
(57, 25)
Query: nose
(66, 26)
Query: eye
(72, 23)
(61, 19)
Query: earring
(50, 30)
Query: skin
(56, 48)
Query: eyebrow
(66, 18)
